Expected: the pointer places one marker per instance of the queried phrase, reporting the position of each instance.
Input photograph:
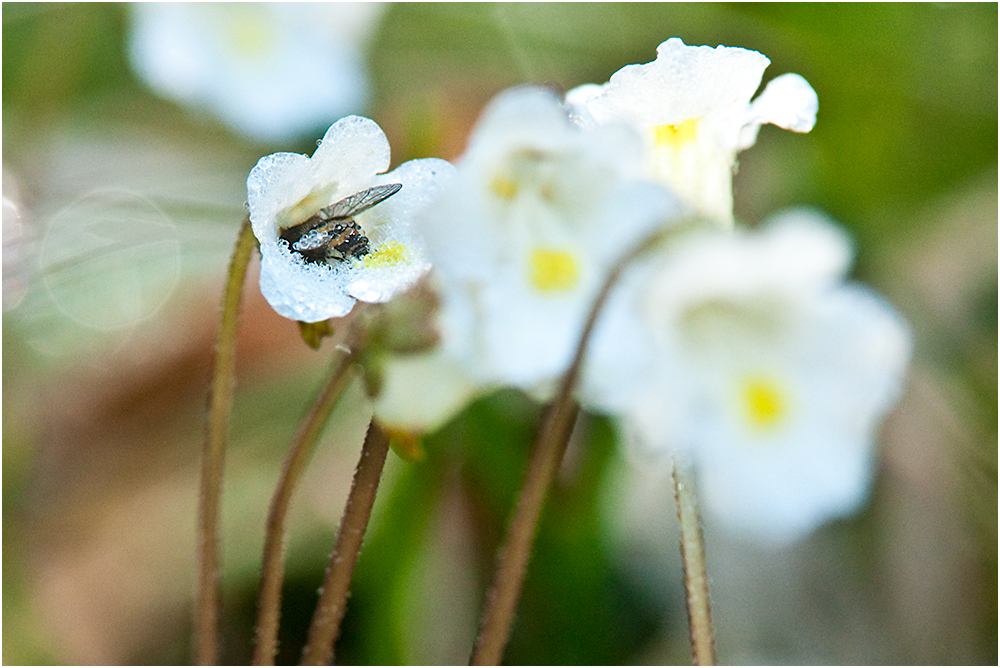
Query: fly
(332, 233)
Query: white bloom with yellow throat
(692, 107)
(286, 189)
(521, 240)
(771, 373)
(524, 236)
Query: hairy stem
(333, 597)
(273, 564)
(550, 445)
(695, 575)
(220, 403)
(505, 589)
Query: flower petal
(421, 392)
(684, 82)
(354, 145)
(275, 183)
(398, 258)
(788, 102)
(299, 290)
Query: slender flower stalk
(273, 563)
(505, 590)
(699, 606)
(206, 612)
(553, 436)
(325, 625)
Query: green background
(106, 359)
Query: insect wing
(362, 201)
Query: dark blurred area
(121, 209)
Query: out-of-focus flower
(768, 372)
(420, 393)
(692, 107)
(524, 236)
(381, 259)
(271, 71)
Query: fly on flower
(332, 233)
(334, 228)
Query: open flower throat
(675, 134)
(332, 234)
(552, 270)
(523, 170)
(764, 403)
(387, 254)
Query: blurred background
(128, 134)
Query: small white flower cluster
(744, 352)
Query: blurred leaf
(58, 53)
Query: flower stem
(505, 589)
(273, 563)
(695, 576)
(550, 445)
(325, 625)
(220, 402)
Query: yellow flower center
(675, 134)
(504, 188)
(764, 403)
(387, 254)
(552, 270)
(249, 34)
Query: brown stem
(695, 575)
(273, 564)
(220, 402)
(550, 445)
(333, 597)
(505, 589)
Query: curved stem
(220, 402)
(333, 597)
(550, 445)
(273, 564)
(699, 606)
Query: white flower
(420, 393)
(272, 71)
(286, 189)
(521, 241)
(524, 236)
(770, 373)
(692, 107)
